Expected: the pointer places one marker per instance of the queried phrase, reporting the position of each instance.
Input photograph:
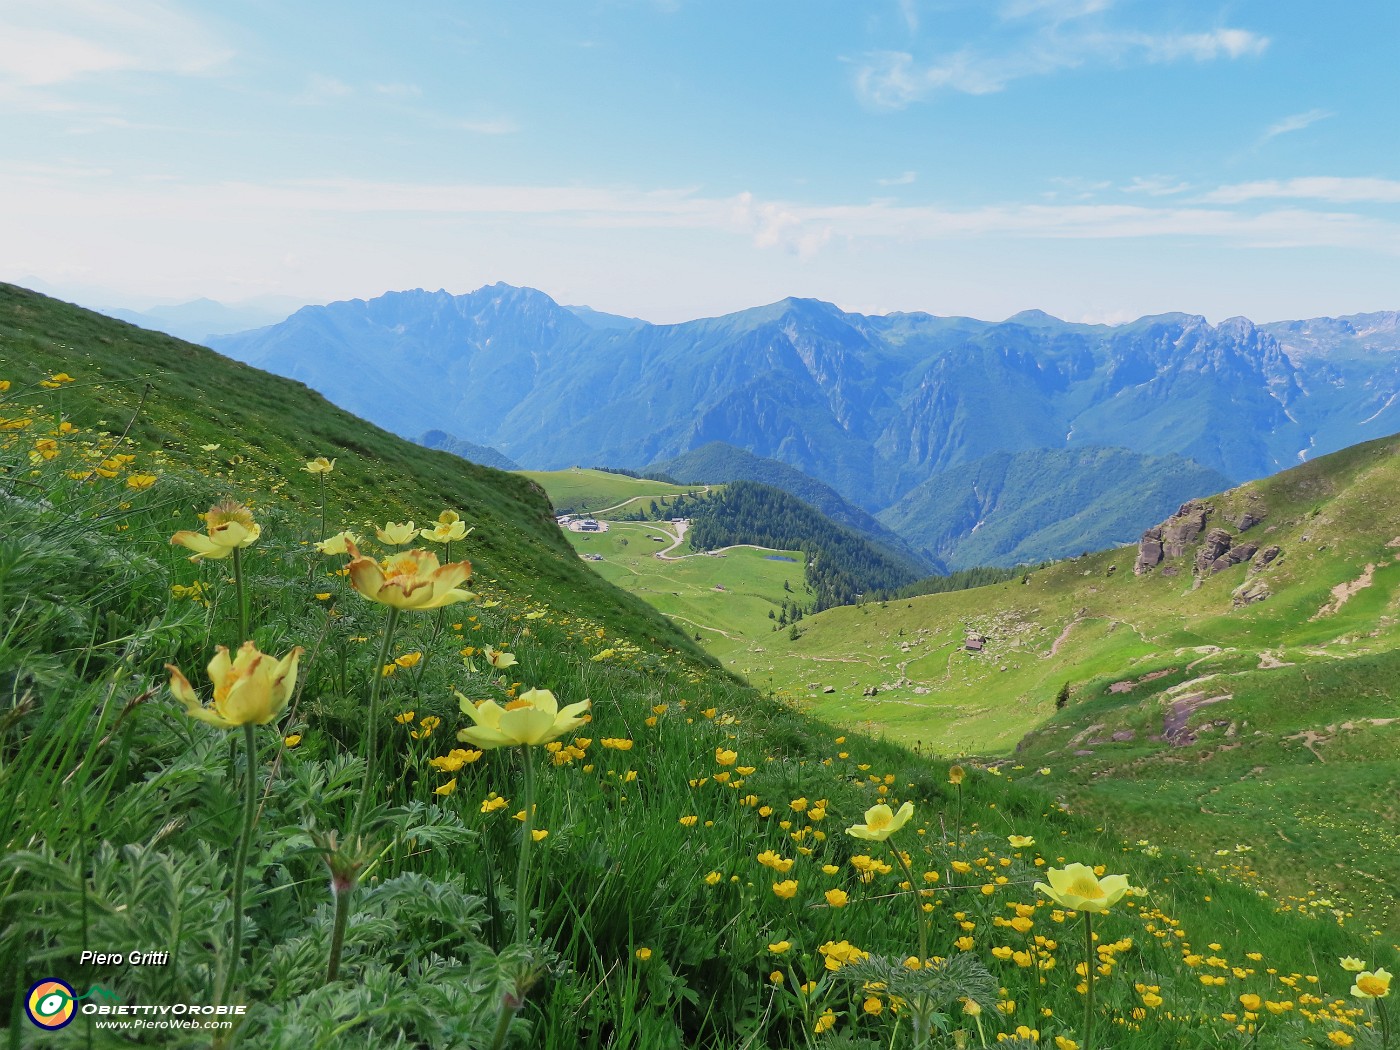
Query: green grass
(580, 490)
(649, 915)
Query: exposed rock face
(1249, 518)
(1249, 593)
(1149, 551)
(1234, 556)
(1217, 543)
(1264, 557)
(1181, 529)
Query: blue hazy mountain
(873, 406)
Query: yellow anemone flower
(1077, 888)
(227, 525)
(532, 718)
(1020, 841)
(340, 543)
(449, 527)
(319, 465)
(252, 688)
(956, 774)
(1371, 985)
(410, 580)
(1352, 964)
(881, 822)
(396, 534)
(498, 659)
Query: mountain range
(873, 406)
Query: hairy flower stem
(238, 596)
(527, 839)
(921, 918)
(240, 862)
(372, 750)
(1089, 979)
(321, 498)
(342, 918)
(1385, 1024)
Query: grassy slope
(1257, 777)
(581, 490)
(621, 870)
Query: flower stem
(241, 860)
(1385, 1024)
(1089, 978)
(238, 595)
(372, 750)
(321, 498)
(921, 1019)
(527, 839)
(342, 917)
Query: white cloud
(1053, 10)
(909, 11)
(895, 79)
(59, 41)
(1334, 189)
(1296, 122)
(322, 90)
(906, 179)
(1156, 185)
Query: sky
(670, 159)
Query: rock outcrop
(1171, 538)
(1217, 543)
(1249, 593)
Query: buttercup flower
(1077, 888)
(409, 580)
(532, 718)
(227, 525)
(881, 822)
(319, 465)
(252, 688)
(396, 534)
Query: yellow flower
(689, 821)
(872, 1005)
(956, 774)
(713, 878)
(617, 743)
(881, 822)
(1077, 888)
(779, 947)
(839, 953)
(534, 717)
(776, 977)
(319, 465)
(454, 760)
(408, 660)
(724, 757)
(606, 654)
(250, 689)
(1371, 985)
(1352, 964)
(228, 525)
(1340, 1039)
(539, 834)
(1020, 841)
(446, 789)
(837, 898)
(407, 716)
(140, 482)
(396, 534)
(411, 580)
(1064, 1042)
(643, 954)
(492, 802)
(292, 741)
(340, 543)
(787, 889)
(769, 859)
(497, 659)
(208, 448)
(449, 527)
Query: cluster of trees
(839, 563)
(651, 476)
(963, 580)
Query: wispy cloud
(905, 179)
(322, 90)
(1296, 122)
(1052, 10)
(1333, 189)
(59, 41)
(501, 126)
(1157, 185)
(895, 79)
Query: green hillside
(676, 871)
(580, 490)
(1295, 692)
(1014, 508)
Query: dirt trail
(1344, 592)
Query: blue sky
(1099, 159)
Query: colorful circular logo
(50, 1003)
